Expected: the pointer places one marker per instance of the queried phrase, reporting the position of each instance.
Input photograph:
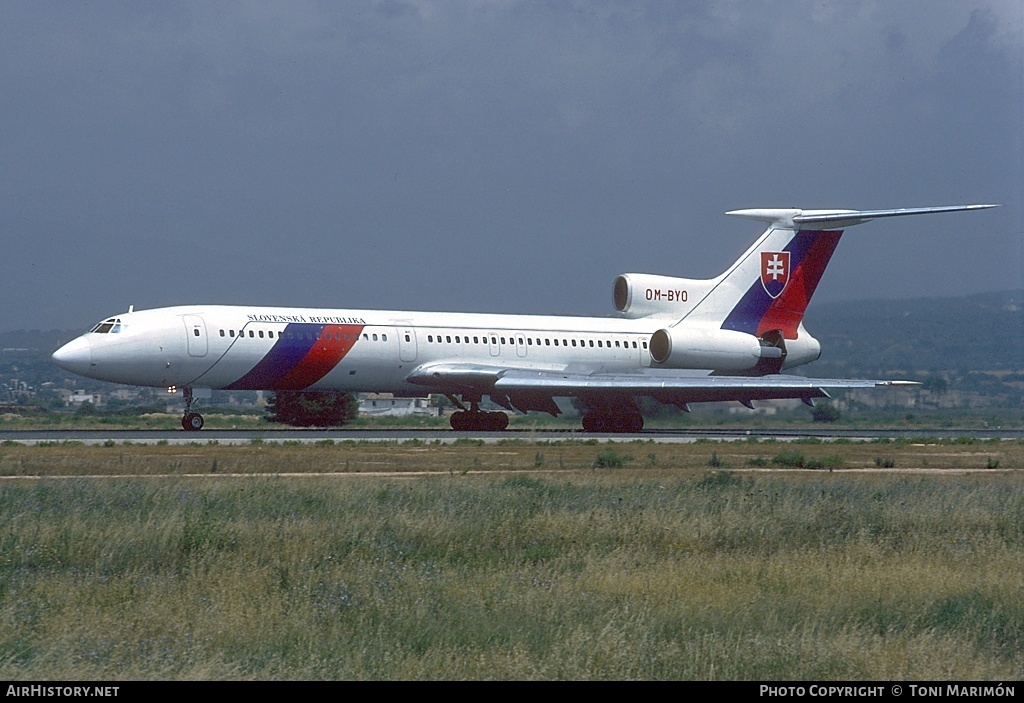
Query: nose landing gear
(191, 422)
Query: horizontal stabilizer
(797, 219)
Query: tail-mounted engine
(645, 295)
(718, 349)
(728, 350)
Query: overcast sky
(492, 156)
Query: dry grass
(269, 457)
(660, 569)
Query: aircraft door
(492, 343)
(407, 344)
(195, 331)
(520, 345)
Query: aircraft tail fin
(770, 286)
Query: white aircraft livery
(677, 340)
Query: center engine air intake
(643, 294)
(721, 350)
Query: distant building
(77, 398)
(384, 404)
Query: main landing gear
(625, 422)
(192, 422)
(477, 420)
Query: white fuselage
(216, 346)
(266, 348)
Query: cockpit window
(111, 326)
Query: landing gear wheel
(501, 422)
(632, 423)
(459, 420)
(193, 422)
(478, 421)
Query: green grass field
(565, 560)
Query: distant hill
(37, 340)
(983, 332)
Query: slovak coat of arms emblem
(774, 272)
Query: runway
(442, 436)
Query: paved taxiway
(228, 437)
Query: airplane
(677, 340)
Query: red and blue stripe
(302, 355)
(757, 312)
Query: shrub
(312, 408)
(826, 413)
(611, 459)
(792, 459)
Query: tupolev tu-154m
(676, 340)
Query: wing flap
(675, 386)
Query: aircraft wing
(533, 389)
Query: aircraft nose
(75, 356)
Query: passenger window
(195, 332)
(457, 340)
(384, 337)
(448, 339)
(261, 333)
(231, 332)
(574, 342)
(591, 342)
(375, 338)
(408, 338)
